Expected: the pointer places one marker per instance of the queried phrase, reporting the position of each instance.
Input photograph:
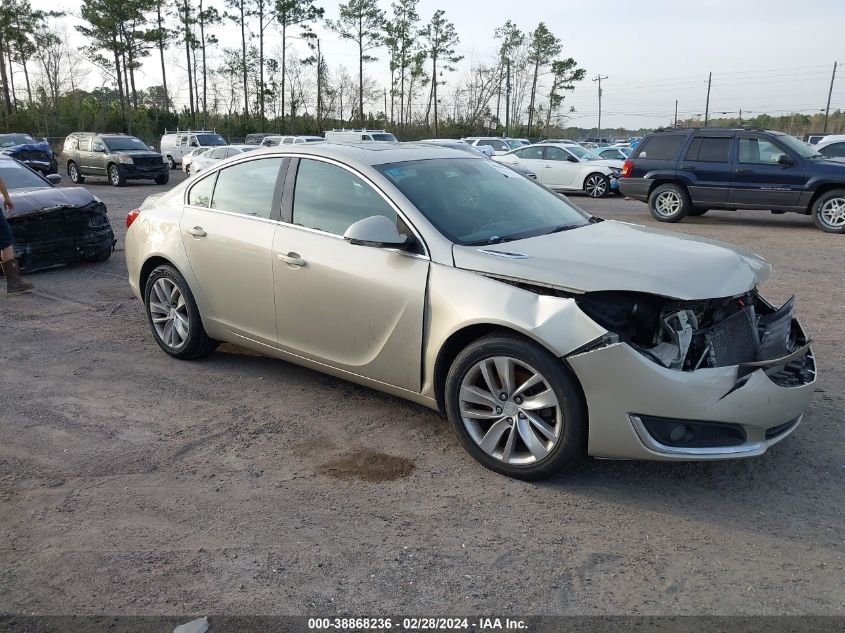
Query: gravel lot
(132, 483)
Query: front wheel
(162, 179)
(669, 203)
(597, 185)
(171, 163)
(515, 408)
(829, 211)
(173, 315)
(74, 175)
(116, 177)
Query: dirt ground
(132, 483)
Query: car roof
(369, 153)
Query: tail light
(627, 168)
(134, 213)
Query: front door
(559, 171)
(356, 308)
(707, 165)
(760, 180)
(227, 228)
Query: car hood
(618, 256)
(834, 166)
(37, 199)
(27, 147)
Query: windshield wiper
(493, 239)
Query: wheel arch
(820, 191)
(149, 265)
(667, 181)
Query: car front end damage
(692, 380)
(37, 156)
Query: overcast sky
(770, 56)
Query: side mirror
(571, 159)
(54, 179)
(375, 230)
(785, 160)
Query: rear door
(707, 168)
(759, 180)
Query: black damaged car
(54, 226)
(31, 152)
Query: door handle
(293, 260)
(547, 166)
(197, 231)
(743, 171)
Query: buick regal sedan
(543, 333)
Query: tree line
(261, 83)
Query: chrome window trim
(232, 213)
(657, 447)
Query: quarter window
(330, 198)
(758, 150)
(661, 146)
(200, 194)
(710, 150)
(248, 188)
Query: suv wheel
(515, 408)
(162, 179)
(829, 211)
(597, 185)
(171, 163)
(669, 203)
(74, 175)
(116, 176)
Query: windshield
(473, 201)
(211, 139)
(383, 137)
(799, 147)
(8, 140)
(19, 177)
(119, 143)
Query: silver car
(543, 333)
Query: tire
(829, 211)
(171, 163)
(74, 174)
(188, 170)
(100, 256)
(195, 342)
(697, 212)
(557, 446)
(116, 177)
(597, 185)
(162, 179)
(669, 203)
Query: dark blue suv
(689, 171)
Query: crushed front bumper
(622, 387)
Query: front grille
(33, 155)
(146, 162)
(774, 431)
(735, 339)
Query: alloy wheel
(596, 186)
(667, 204)
(114, 175)
(169, 313)
(74, 172)
(510, 410)
(832, 213)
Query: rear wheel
(515, 408)
(597, 185)
(116, 176)
(829, 211)
(74, 175)
(173, 315)
(669, 203)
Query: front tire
(171, 163)
(829, 211)
(669, 203)
(597, 185)
(73, 173)
(515, 408)
(173, 315)
(162, 179)
(116, 177)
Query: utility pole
(829, 92)
(740, 117)
(707, 107)
(385, 104)
(508, 102)
(319, 84)
(599, 79)
(676, 113)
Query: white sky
(770, 56)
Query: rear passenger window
(661, 146)
(711, 150)
(248, 188)
(200, 193)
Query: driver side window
(758, 151)
(555, 153)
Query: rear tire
(185, 338)
(547, 428)
(116, 177)
(669, 203)
(74, 174)
(829, 211)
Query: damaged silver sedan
(543, 333)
